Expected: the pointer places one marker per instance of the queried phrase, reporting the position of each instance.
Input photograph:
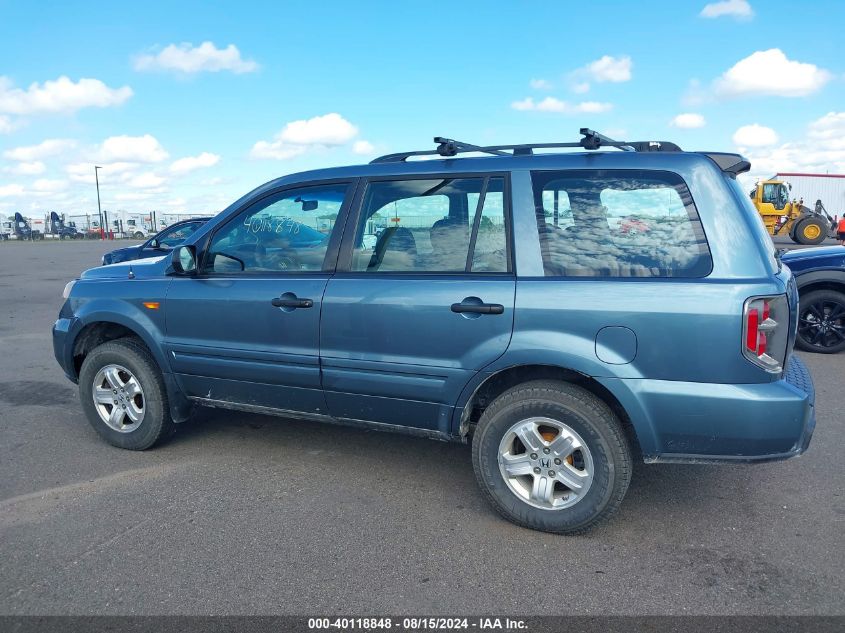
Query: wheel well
(95, 334)
(501, 381)
(822, 285)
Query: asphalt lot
(246, 514)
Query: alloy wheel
(118, 398)
(545, 463)
(822, 323)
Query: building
(829, 188)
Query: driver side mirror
(154, 244)
(183, 260)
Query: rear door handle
(478, 308)
(291, 302)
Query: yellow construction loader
(782, 216)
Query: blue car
(820, 275)
(158, 245)
(494, 300)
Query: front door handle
(478, 308)
(288, 301)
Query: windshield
(175, 235)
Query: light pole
(99, 210)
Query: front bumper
(64, 332)
(707, 422)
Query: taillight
(765, 331)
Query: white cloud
(6, 125)
(524, 104)
(688, 120)
(10, 190)
(603, 70)
(49, 186)
(45, 149)
(297, 137)
(755, 135)
(28, 169)
(132, 196)
(84, 172)
(830, 130)
(146, 180)
(770, 73)
(186, 58)
(329, 129)
(551, 104)
(608, 68)
(821, 150)
(277, 150)
(592, 107)
(60, 95)
(133, 149)
(191, 163)
(363, 147)
(735, 8)
(540, 84)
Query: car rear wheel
(123, 395)
(821, 322)
(551, 456)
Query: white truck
(18, 227)
(58, 228)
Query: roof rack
(591, 140)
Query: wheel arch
(97, 329)
(821, 280)
(503, 379)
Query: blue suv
(564, 312)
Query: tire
(813, 310)
(811, 231)
(589, 421)
(129, 354)
(138, 235)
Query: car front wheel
(123, 395)
(552, 456)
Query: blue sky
(187, 105)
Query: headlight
(68, 288)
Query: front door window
(286, 232)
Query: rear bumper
(705, 422)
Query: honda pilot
(565, 312)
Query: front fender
(125, 307)
(122, 302)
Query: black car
(820, 275)
(160, 244)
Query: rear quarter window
(618, 223)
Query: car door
(422, 300)
(245, 330)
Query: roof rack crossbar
(591, 140)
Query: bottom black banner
(379, 624)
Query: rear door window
(618, 223)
